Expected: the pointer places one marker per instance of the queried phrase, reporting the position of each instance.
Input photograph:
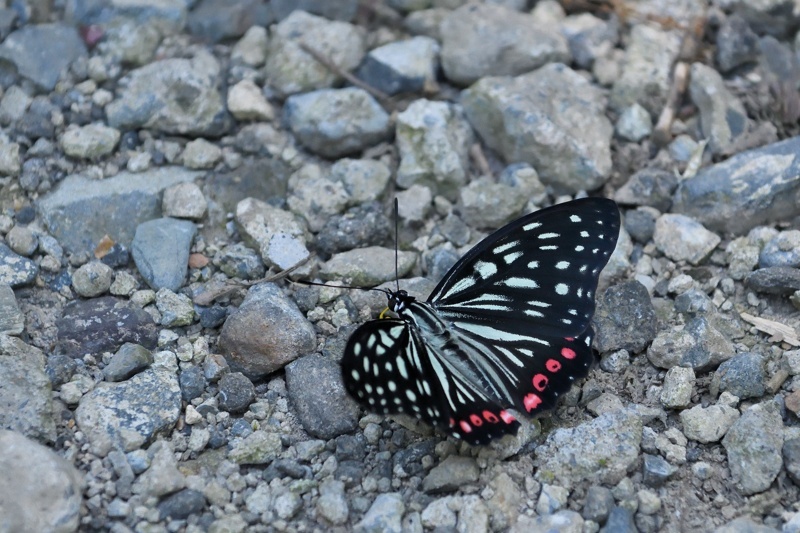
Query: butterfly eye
(507, 327)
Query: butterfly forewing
(507, 327)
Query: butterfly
(508, 327)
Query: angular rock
(260, 447)
(82, 210)
(589, 37)
(451, 474)
(127, 415)
(625, 319)
(744, 375)
(723, 118)
(433, 139)
(12, 322)
(129, 360)
(384, 515)
(89, 142)
(16, 270)
(682, 239)
(407, 66)
(514, 115)
(708, 424)
(677, 389)
(267, 332)
(103, 325)
(41, 52)
(160, 250)
(750, 189)
(481, 40)
(754, 445)
(774, 280)
(737, 44)
(315, 388)
(367, 267)
(698, 345)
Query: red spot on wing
(490, 417)
(476, 420)
(552, 365)
(540, 382)
(569, 339)
(465, 427)
(531, 401)
(568, 353)
(507, 417)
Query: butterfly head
(399, 300)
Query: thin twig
(476, 152)
(214, 293)
(382, 97)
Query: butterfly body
(506, 328)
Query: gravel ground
(163, 163)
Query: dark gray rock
(351, 448)
(514, 115)
(640, 225)
(26, 397)
(16, 270)
(41, 52)
(737, 44)
(181, 505)
(723, 118)
(239, 261)
(625, 318)
(217, 20)
(362, 225)
(744, 524)
(103, 325)
(451, 474)
(656, 471)
(407, 66)
(192, 382)
(82, 210)
(773, 17)
(170, 17)
(743, 375)
(265, 333)
(59, 369)
(774, 280)
(336, 122)
(620, 520)
(160, 250)
(698, 345)
(754, 445)
(481, 40)
(750, 189)
(236, 392)
(598, 504)
(683, 239)
(783, 250)
(315, 388)
(649, 186)
(339, 10)
(129, 360)
(384, 515)
(791, 459)
(589, 37)
(128, 414)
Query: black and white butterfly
(507, 327)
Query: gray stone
(201, 154)
(677, 390)
(366, 267)
(750, 189)
(791, 458)
(247, 102)
(258, 448)
(384, 515)
(13, 105)
(774, 280)
(647, 69)
(514, 115)
(433, 139)
(363, 225)
(315, 197)
(315, 388)
(773, 17)
(82, 210)
(176, 309)
(589, 37)
(451, 474)
(40, 490)
(160, 249)
(10, 160)
(16, 270)
(251, 49)
(407, 66)
(737, 44)
(218, 20)
(414, 204)
(236, 392)
(753, 445)
(634, 123)
(89, 142)
(364, 180)
(681, 238)
(266, 333)
(22, 240)
(184, 200)
(336, 122)
(640, 225)
(92, 279)
(240, 262)
(12, 321)
(486, 203)
(259, 223)
(708, 424)
(698, 344)
(169, 16)
(341, 10)
(292, 70)
(481, 40)
(174, 96)
(130, 43)
(181, 505)
(41, 52)
(551, 499)
(723, 118)
(332, 503)
(742, 257)
(783, 250)
(621, 520)
(103, 325)
(128, 414)
(562, 521)
(745, 524)
(743, 375)
(26, 397)
(656, 471)
(129, 360)
(600, 451)
(598, 504)
(162, 475)
(625, 318)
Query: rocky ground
(165, 162)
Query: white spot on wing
(510, 258)
(485, 269)
(504, 247)
(532, 225)
(548, 235)
(562, 265)
(574, 218)
(520, 283)
(562, 289)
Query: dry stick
(382, 97)
(680, 80)
(476, 151)
(214, 293)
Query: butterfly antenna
(396, 239)
(303, 282)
